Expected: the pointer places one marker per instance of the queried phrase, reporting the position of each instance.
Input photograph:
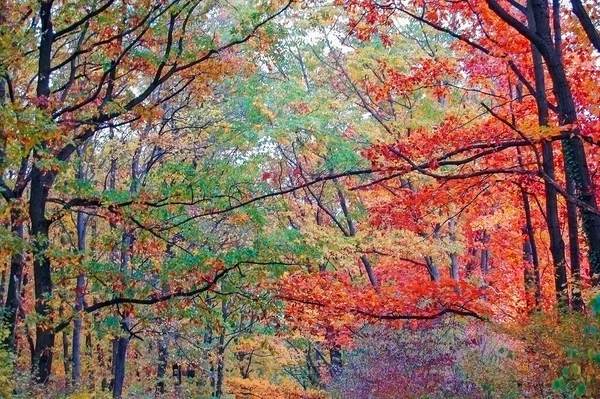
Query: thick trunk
(44, 340)
(39, 186)
(120, 359)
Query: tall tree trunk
(220, 366)
(120, 359)
(161, 369)
(573, 149)
(557, 245)
(576, 300)
(44, 340)
(335, 354)
(531, 253)
(39, 187)
(66, 357)
(13, 294)
(485, 253)
(79, 300)
(453, 255)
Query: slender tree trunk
(335, 354)
(432, 269)
(485, 253)
(79, 300)
(352, 232)
(2, 287)
(120, 357)
(161, 369)
(220, 366)
(576, 300)
(66, 357)
(453, 255)
(531, 253)
(15, 278)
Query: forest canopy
(299, 199)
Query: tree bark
(44, 340)
(572, 222)
(557, 245)
(531, 253)
(120, 359)
(161, 369)
(39, 187)
(79, 300)
(573, 149)
(13, 294)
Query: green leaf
(580, 390)
(559, 384)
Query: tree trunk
(44, 340)
(485, 253)
(161, 369)
(39, 187)
(573, 150)
(557, 245)
(220, 366)
(531, 254)
(66, 357)
(13, 294)
(576, 300)
(453, 255)
(79, 300)
(120, 359)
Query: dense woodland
(299, 199)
